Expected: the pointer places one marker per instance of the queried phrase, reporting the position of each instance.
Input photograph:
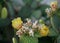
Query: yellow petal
(17, 23)
(44, 30)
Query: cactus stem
(53, 25)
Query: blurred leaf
(58, 12)
(10, 10)
(0, 9)
(42, 8)
(34, 4)
(14, 40)
(58, 39)
(4, 22)
(28, 2)
(37, 34)
(17, 2)
(4, 13)
(28, 39)
(39, 0)
(52, 33)
(55, 22)
(25, 12)
(36, 14)
(1, 1)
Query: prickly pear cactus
(28, 39)
(4, 13)
(55, 22)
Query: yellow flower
(17, 23)
(53, 5)
(44, 30)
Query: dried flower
(31, 32)
(54, 5)
(35, 24)
(25, 29)
(17, 23)
(29, 22)
(19, 33)
(48, 11)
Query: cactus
(55, 22)
(4, 13)
(29, 9)
(28, 39)
(36, 14)
(58, 39)
(25, 12)
(10, 10)
(14, 40)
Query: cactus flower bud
(17, 23)
(44, 30)
(53, 6)
(4, 13)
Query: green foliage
(52, 33)
(28, 2)
(30, 8)
(58, 12)
(10, 10)
(4, 22)
(28, 39)
(0, 9)
(14, 40)
(25, 12)
(34, 5)
(1, 1)
(37, 35)
(42, 8)
(55, 23)
(58, 39)
(36, 14)
(4, 13)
